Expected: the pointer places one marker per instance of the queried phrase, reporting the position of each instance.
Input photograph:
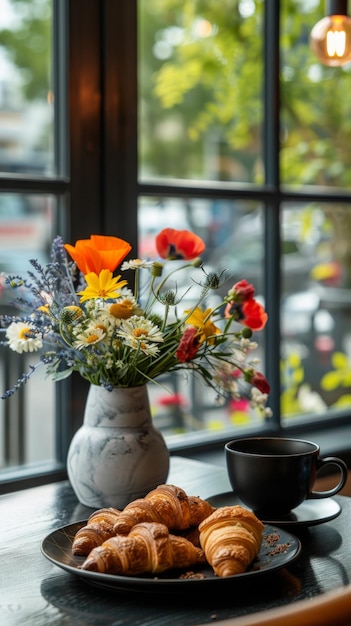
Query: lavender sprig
(21, 381)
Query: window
(218, 118)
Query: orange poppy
(98, 253)
(175, 244)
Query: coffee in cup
(273, 475)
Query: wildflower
(95, 324)
(70, 313)
(138, 332)
(206, 328)
(189, 345)
(241, 291)
(102, 286)
(243, 307)
(89, 337)
(22, 337)
(135, 264)
(98, 253)
(254, 315)
(258, 380)
(122, 309)
(174, 244)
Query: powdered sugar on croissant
(149, 548)
(231, 538)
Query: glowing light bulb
(331, 36)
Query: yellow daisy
(103, 286)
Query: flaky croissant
(167, 504)
(231, 538)
(99, 527)
(149, 548)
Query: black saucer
(309, 513)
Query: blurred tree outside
(26, 91)
(27, 44)
(202, 61)
(201, 75)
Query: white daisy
(134, 264)
(23, 338)
(138, 328)
(89, 337)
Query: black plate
(309, 513)
(279, 548)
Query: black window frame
(98, 181)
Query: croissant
(231, 538)
(192, 534)
(167, 505)
(149, 548)
(99, 527)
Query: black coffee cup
(275, 475)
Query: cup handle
(339, 463)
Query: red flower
(98, 253)
(254, 315)
(259, 381)
(250, 313)
(179, 244)
(244, 308)
(243, 291)
(189, 345)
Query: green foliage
(28, 45)
(207, 91)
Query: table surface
(35, 592)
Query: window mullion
(85, 112)
(271, 146)
(120, 164)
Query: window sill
(334, 441)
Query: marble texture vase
(117, 455)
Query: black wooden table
(35, 592)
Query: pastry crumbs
(192, 575)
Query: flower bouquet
(80, 315)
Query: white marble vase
(117, 455)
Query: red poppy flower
(98, 253)
(189, 345)
(243, 291)
(253, 315)
(179, 244)
(260, 382)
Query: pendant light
(331, 36)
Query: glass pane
(316, 120)
(200, 85)
(26, 90)
(233, 233)
(316, 318)
(27, 223)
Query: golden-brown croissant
(149, 548)
(231, 538)
(192, 534)
(99, 527)
(167, 504)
